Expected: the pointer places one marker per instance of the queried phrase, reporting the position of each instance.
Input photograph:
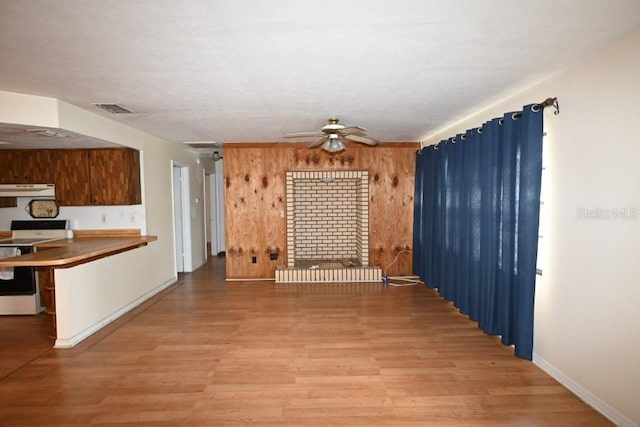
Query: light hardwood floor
(210, 353)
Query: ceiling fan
(333, 134)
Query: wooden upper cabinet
(8, 202)
(11, 171)
(72, 177)
(38, 165)
(114, 176)
(25, 167)
(7, 174)
(83, 177)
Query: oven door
(19, 289)
(18, 280)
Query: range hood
(27, 190)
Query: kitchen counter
(78, 250)
(89, 281)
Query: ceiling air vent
(52, 133)
(114, 108)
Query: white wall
(88, 305)
(157, 156)
(28, 110)
(587, 324)
(156, 260)
(155, 215)
(84, 217)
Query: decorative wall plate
(43, 209)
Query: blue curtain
(476, 212)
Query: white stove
(19, 290)
(30, 233)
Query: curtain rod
(550, 102)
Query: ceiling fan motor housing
(332, 125)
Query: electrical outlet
(103, 218)
(132, 218)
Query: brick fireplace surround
(327, 227)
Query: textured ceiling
(249, 70)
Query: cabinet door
(8, 202)
(72, 177)
(9, 167)
(25, 167)
(115, 176)
(37, 164)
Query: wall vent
(114, 108)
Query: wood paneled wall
(255, 201)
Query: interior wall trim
(591, 399)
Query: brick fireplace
(327, 227)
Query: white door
(177, 218)
(207, 212)
(217, 209)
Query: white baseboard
(70, 342)
(591, 399)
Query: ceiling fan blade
(302, 134)
(351, 130)
(362, 139)
(318, 142)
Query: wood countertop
(69, 252)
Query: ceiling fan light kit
(333, 134)
(334, 144)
